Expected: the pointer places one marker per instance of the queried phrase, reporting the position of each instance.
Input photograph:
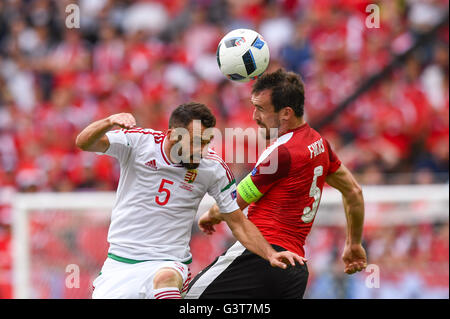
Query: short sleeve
(335, 163)
(120, 144)
(275, 167)
(265, 174)
(223, 189)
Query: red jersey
(290, 174)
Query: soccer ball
(242, 55)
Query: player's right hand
(283, 259)
(124, 120)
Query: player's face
(192, 145)
(264, 114)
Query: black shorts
(239, 273)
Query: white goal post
(434, 207)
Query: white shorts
(120, 280)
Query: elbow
(356, 193)
(357, 189)
(79, 143)
(353, 193)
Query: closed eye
(259, 108)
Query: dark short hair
(287, 89)
(186, 113)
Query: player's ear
(176, 135)
(286, 113)
(172, 136)
(169, 133)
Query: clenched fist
(124, 120)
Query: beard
(266, 131)
(190, 165)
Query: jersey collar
(164, 155)
(298, 128)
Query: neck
(167, 146)
(290, 125)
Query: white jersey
(156, 200)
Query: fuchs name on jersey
(316, 148)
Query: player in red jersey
(283, 191)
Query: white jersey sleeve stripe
(224, 165)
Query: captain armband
(248, 191)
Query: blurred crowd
(147, 57)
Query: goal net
(59, 242)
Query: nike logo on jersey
(151, 164)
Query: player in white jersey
(161, 185)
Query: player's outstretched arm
(93, 138)
(354, 255)
(210, 218)
(249, 236)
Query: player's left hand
(206, 223)
(354, 257)
(283, 259)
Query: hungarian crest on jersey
(190, 176)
